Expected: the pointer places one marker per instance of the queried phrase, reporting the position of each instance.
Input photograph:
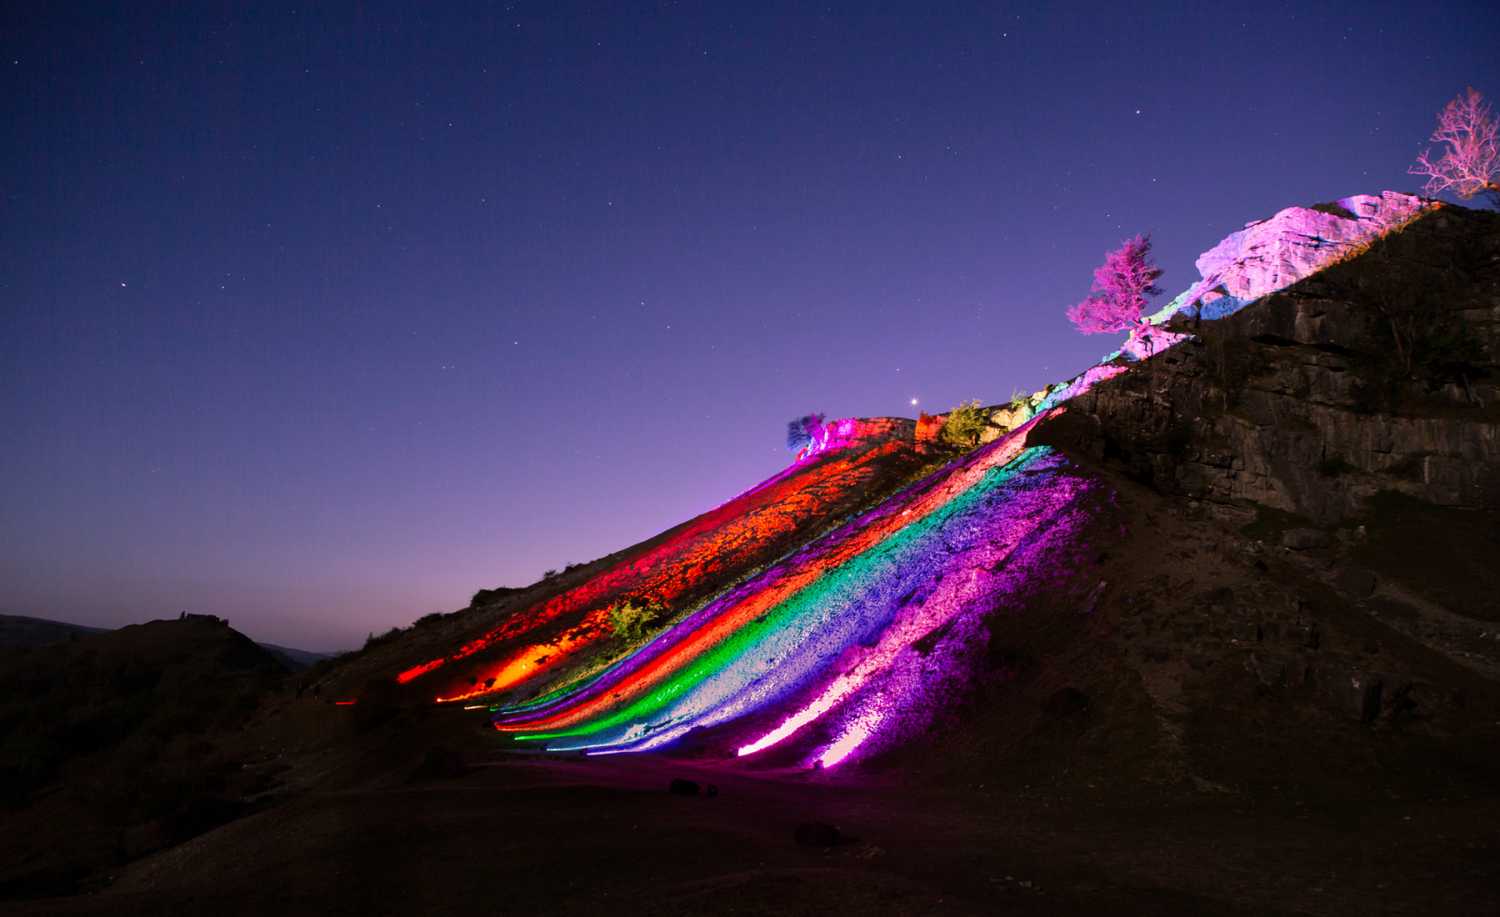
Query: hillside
(1209, 627)
(20, 630)
(24, 631)
(116, 743)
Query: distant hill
(115, 743)
(22, 630)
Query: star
(914, 402)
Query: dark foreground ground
(518, 834)
(1208, 739)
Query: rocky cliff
(1375, 374)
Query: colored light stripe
(709, 547)
(1016, 518)
(629, 722)
(769, 671)
(692, 639)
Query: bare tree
(1468, 139)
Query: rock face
(1376, 374)
(1268, 255)
(1272, 254)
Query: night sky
(321, 317)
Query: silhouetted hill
(21, 630)
(111, 743)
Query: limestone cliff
(1375, 374)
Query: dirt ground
(526, 834)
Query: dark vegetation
(965, 424)
(632, 619)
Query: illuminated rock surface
(1270, 254)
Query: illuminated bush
(800, 432)
(631, 619)
(966, 423)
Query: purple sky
(321, 318)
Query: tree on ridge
(1469, 139)
(1121, 287)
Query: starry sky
(320, 317)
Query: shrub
(376, 640)
(966, 423)
(631, 619)
(800, 432)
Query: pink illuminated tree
(1469, 140)
(1121, 286)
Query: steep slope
(1375, 374)
(1353, 417)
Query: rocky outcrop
(1268, 255)
(1272, 254)
(1376, 374)
(856, 431)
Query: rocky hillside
(1376, 374)
(1352, 417)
